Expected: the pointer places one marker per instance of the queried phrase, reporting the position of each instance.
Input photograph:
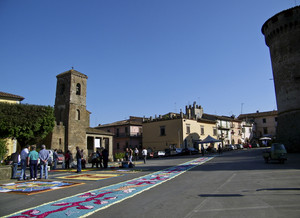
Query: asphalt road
(235, 184)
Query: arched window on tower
(78, 89)
(77, 114)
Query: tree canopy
(27, 123)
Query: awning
(209, 139)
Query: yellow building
(11, 144)
(176, 131)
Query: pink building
(127, 133)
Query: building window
(275, 119)
(118, 145)
(264, 120)
(118, 132)
(78, 89)
(265, 130)
(188, 128)
(126, 130)
(162, 130)
(59, 141)
(214, 131)
(77, 114)
(202, 130)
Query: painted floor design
(90, 176)
(34, 187)
(85, 204)
(74, 170)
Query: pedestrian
(144, 153)
(94, 157)
(126, 154)
(105, 157)
(83, 162)
(44, 156)
(99, 158)
(55, 157)
(220, 148)
(67, 159)
(136, 154)
(130, 155)
(24, 161)
(78, 158)
(202, 150)
(33, 158)
(15, 160)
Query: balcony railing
(122, 135)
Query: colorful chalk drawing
(90, 176)
(85, 204)
(34, 187)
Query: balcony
(125, 135)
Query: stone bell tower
(70, 108)
(282, 36)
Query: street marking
(87, 203)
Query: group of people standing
(100, 158)
(30, 157)
(129, 153)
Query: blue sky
(142, 57)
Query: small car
(276, 152)
(239, 146)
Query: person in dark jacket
(15, 160)
(105, 157)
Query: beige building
(11, 144)
(264, 123)
(176, 131)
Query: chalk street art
(34, 187)
(90, 176)
(85, 204)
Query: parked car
(276, 152)
(247, 145)
(60, 159)
(229, 147)
(161, 153)
(255, 145)
(189, 151)
(239, 146)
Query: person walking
(15, 159)
(67, 159)
(126, 154)
(202, 150)
(220, 148)
(33, 158)
(105, 157)
(24, 161)
(130, 155)
(44, 156)
(83, 162)
(144, 153)
(136, 154)
(55, 158)
(99, 158)
(78, 158)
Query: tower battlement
(281, 23)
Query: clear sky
(142, 57)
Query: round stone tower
(282, 36)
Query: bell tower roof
(72, 72)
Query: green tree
(3, 149)
(27, 123)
